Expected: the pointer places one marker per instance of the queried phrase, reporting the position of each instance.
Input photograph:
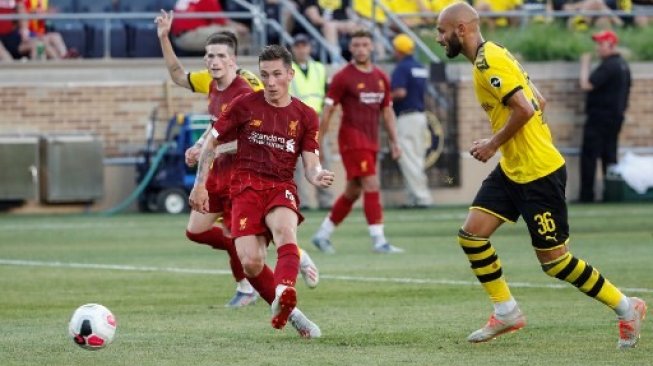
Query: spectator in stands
(608, 89)
(582, 22)
(373, 22)
(334, 18)
(437, 6)
(12, 33)
(400, 7)
(190, 34)
(498, 6)
(638, 7)
(309, 86)
(52, 42)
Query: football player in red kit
(222, 81)
(363, 91)
(272, 129)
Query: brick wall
(565, 106)
(118, 111)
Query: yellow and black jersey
(530, 153)
(200, 81)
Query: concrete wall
(115, 99)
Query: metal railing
(254, 12)
(259, 21)
(325, 47)
(403, 27)
(530, 11)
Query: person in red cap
(608, 88)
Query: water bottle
(40, 51)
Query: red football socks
(264, 284)
(217, 240)
(285, 273)
(341, 209)
(372, 208)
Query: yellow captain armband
(251, 79)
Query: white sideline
(428, 281)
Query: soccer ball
(92, 326)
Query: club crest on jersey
(381, 85)
(243, 223)
(290, 146)
(223, 107)
(292, 128)
(360, 86)
(495, 81)
(256, 123)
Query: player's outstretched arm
(390, 124)
(175, 68)
(199, 196)
(314, 173)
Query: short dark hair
(362, 33)
(276, 52)
(226, 38)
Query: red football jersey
(218, 100)
(362, 96)
(270, 139)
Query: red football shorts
(359, 163)
(250, 207)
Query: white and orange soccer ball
(92, 326)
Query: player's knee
(555, 263)
(252, 265)
(370, 184)
(353, 192)
(192, 236)
(284, 233)
(551, 255)
(467, 239)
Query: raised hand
(163, 23)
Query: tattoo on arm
(174, 68)
(206, 160)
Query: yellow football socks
(486, 265)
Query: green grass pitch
(414, 308)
